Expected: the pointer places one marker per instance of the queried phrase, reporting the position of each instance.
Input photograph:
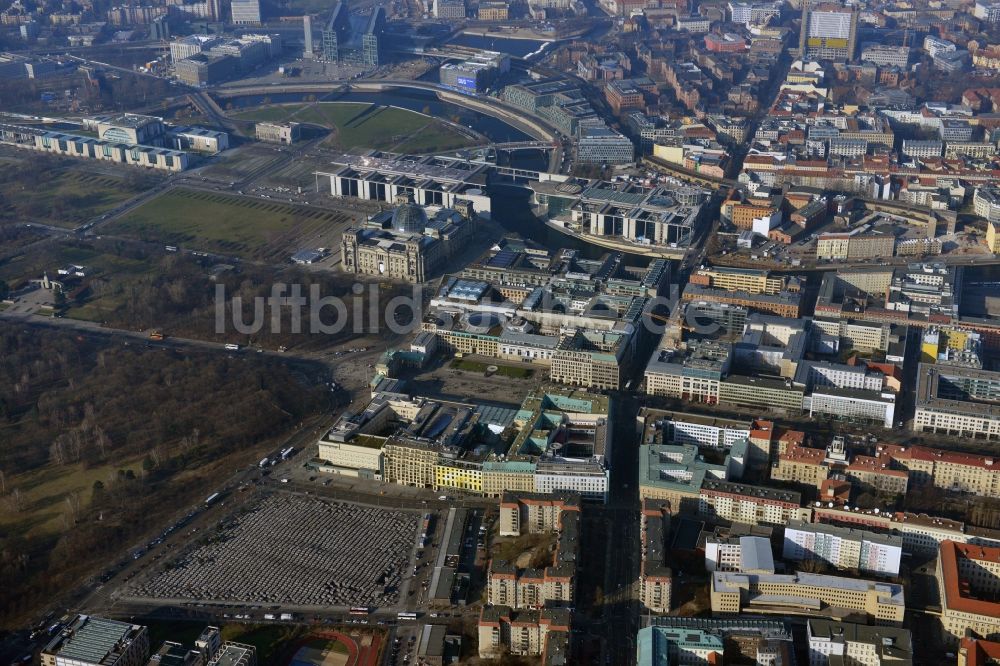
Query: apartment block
(655, 575)
(526, 633)
(553, 585)
(529, 513)
(745, 503)
(843, 547)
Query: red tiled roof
(954, 600)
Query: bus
(211, 498)
(232, 347)
(406, 615)
(363, 611)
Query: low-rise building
(234, 654)
(807, 594)
(96, 641)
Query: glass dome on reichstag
(410, 218)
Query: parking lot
(296, 551)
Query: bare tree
(15, 501)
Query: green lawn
(356, 126)
(221, 223)
(327, 645)
(271, 640)
(68, 199)
(502, 370)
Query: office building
(993, 236)
(832, 643)
(87, 147)
(746, 554)
(286, 133)
(131, 128)
(662, 217)
(852, 405)
(702, 640)
(185, 47)
(449, 9)
(197, 140)
(655, 575)
(843, 547)
(492, 10)
(432, 180)
(246, 12)
(476, 74)
(354, 39)
(969, 583)
(95, 641)
(201, 70)
(958, 401)
(986, 203)
(829, 31)
(604, 146)
(886, 56)
(657, 645)
(175, 654)
(783, 304)
(708, 431)
(693, 373)
(801, 593)
(556, 442)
